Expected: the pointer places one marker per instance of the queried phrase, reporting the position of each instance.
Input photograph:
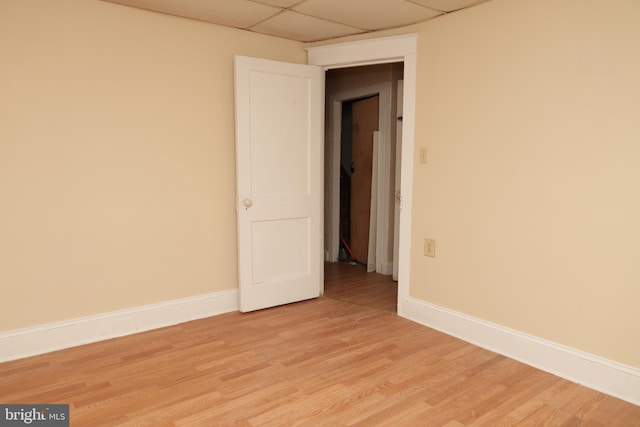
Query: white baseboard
(41, 339)
(600, 374)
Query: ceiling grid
(305, 20)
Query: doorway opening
(382, 50)
(363, 152)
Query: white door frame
(375, 51)
(396, 191)
(384, 170)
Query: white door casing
(398, 177)
(279, 167)
(402, 48)
(373, 210)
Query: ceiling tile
(233, 13)
(367, 14)
(448, 5)
(305, 20)
(292, 25)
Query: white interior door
(279, 164)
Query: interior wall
(529, 110)
(117, 157)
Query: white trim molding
(363, 52)
(41, 339)
(591, 371)
(401, 48)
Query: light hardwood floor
(316, 363)
(352, 283)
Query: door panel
(279, 160)
(279, 134)
(289, 233)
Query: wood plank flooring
(352, 283)
(317, 363)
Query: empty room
(172, 226)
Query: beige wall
(530, 110)
(117, 161)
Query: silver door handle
(247, 203)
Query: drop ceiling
(305, 20)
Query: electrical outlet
(423, 154)
(429, 247)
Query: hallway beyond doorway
(352, 284)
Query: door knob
(247, 203)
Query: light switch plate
(423, 154)
(429, 247)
